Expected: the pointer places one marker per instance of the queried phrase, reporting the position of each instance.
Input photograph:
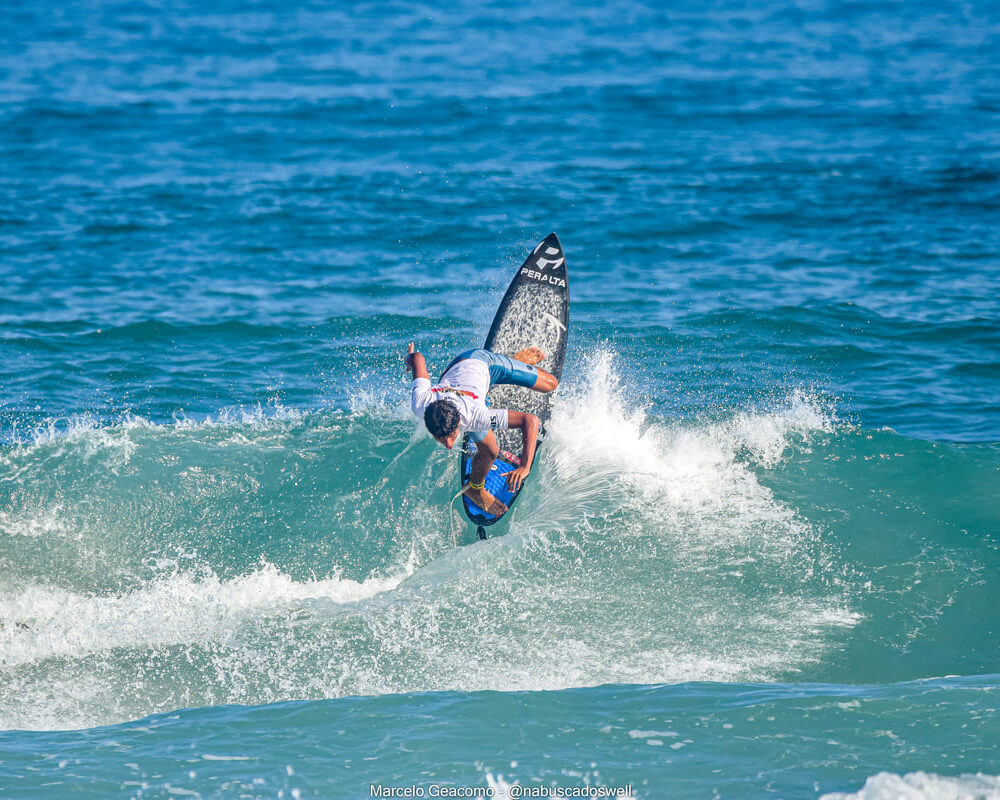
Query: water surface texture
(759, 554)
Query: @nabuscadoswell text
(514, 791)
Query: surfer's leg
(504, 369)
(545, 382)
(487, 450)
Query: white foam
(83, 434)
(602, 417)
(95, 436)
(924, 786)
(599, 430)
(258, 417)
(379, 400)
(41, 622)
(765, 435)
(36, 523)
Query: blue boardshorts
(503, 369)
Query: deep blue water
(764, 527)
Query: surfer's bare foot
(529, 355)
(485, 501)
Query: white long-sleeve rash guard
(470, 375)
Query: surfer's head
(441, 419)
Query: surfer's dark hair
(441, 418)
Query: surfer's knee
(545, 382)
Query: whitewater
(630, 515)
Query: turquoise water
(758, 555)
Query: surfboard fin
(481, 532)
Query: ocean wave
(649, 549)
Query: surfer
(457, 404)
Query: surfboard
(534, 312)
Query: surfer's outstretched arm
(415, 361)
(529, 425)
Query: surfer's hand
(485, 501)
(415, 363)
(516, 477)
